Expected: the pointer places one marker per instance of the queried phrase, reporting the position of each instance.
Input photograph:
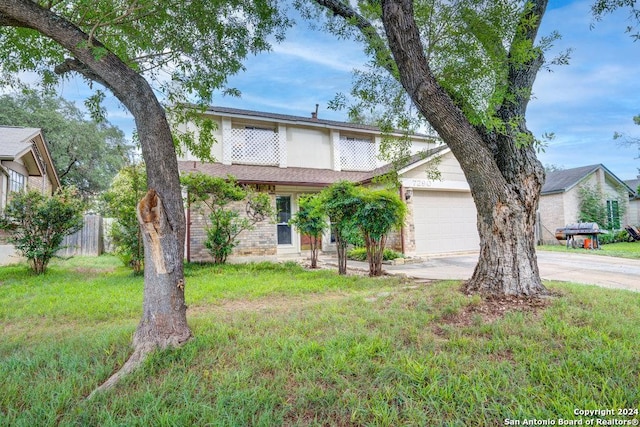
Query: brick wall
(552, 216)
(261, 241)
(36, 182)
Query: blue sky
(583, 103)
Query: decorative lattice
(357, 154)
(254, 146)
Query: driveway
(608, 272)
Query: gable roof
(309, 121)
(15, 141)
(30, 145)
(633, 183)
(561, 181)
(256, 174)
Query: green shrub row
(360, 254)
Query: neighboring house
(560, 198)
(287, 156)
(634, 202)
(25, 162)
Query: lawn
(278, 345)
(621, 249)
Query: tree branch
(522, 76)
(74, 65)
(370, 33)
(8, 21)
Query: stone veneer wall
(261, 241)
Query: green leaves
(311, 218)
(87, 154)
(185, 49)
(37, 224)
(226, 222)
(126, 190)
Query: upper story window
(255, 146)
(17, 181)
(357, 154)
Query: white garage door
(445, 221)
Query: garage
(445, 221)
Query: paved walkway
(608, 272)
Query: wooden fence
(87, 241)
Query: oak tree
(87, 154)
(187, 50)
(468, 68)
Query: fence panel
(87, 241)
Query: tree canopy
(186, 50)
(600, 8)
(467, 68)
(138, 49)
(87, 154)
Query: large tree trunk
(507, 264)
(163, 321)
(164, 283)
(505, 178)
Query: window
(613, 214)
(357, 154)
(16, 181)
(283, 206)
(253, 145)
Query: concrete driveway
(608, 272)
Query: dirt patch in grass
(494, 308)
(269, 303)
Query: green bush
(127, 188)
(360, 254)
(37, 224)
(614, 237)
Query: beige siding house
(560, 198)
(288, 156)
(634, 202)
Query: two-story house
(287, 156)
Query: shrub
(37, 224)
(614, 237)
(226, 224)
(311, 221)
(360, 254)
(127, 188)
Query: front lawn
(621, 249)
(278, 345)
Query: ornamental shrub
(127, 188)
(37, 224)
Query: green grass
(621, 249)
(278, 345)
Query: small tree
(310, 220)
(378, 213)
(127, 188)
(593, 207)
(225, 225)
(37, 224)
(341, 201)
